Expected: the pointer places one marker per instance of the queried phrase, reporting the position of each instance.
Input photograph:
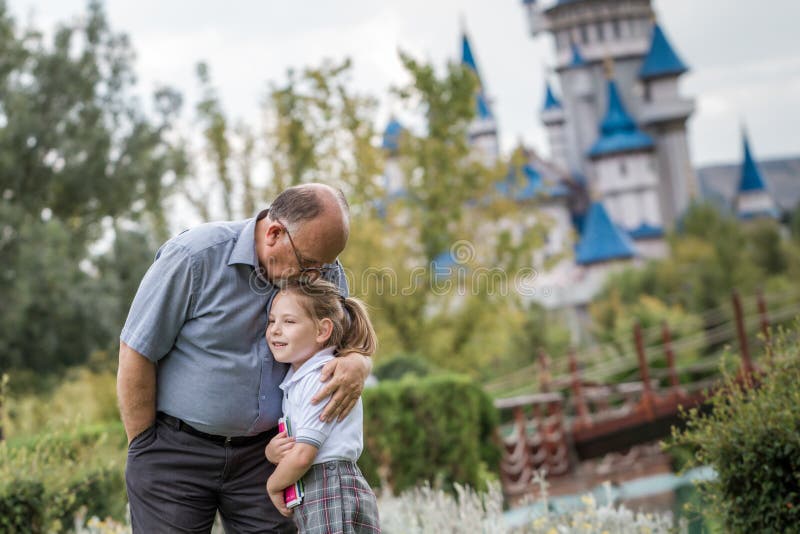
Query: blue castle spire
(753, 198)
(391, 135)
(550, 100)
(618, 131)
(577, 58)
(468, 59)
(661, 60)
(751, 178)
(602, 240)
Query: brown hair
(352, 329)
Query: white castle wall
(754, 201)
(628, 187)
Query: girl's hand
(276, 496)
(278, 447)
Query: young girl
(309, 324)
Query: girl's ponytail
(359, 335)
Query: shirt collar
(244, 251)
(312, 364)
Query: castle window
(585, 34)
(616, 27)
(648, 94)
(601, 31)
(623, 168)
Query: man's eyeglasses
(307, 273)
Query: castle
(620, 173)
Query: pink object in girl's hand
(293, 495)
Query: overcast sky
(744, 56)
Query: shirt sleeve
(162, 303)
(307, 427)
(340, 280)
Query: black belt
(234, 441)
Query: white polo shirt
(336, 440)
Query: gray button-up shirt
(201, 314)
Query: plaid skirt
(337, 500)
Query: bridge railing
(574, 416)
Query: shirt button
(263, 397)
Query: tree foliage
(78, 157)
(752, 440)
(438, 429)
(460, 315)
(711, 254)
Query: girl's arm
(291, 469)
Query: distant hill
(718, 183)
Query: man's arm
(136, 391)
(349, 374)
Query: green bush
(752, 439)
(438, 429)
(45, 481)
(403, 365)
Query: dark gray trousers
(177, 481)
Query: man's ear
(324, 330)
(272, 234)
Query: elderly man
(197, 384)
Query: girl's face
(292, 334)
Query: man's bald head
(317, 211)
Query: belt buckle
(228, 441)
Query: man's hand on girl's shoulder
(345, 376)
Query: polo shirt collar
(312, 364)
(244, 251)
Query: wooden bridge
(571, 420)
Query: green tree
(766, 246)
(73, 141)
(319, 129)
(464, 316)
(217, 137)
(794, 223)
(78, 157)
(711, 255)
(751, 438)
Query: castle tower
(553, 118)
(580, 110)
(624, 177)
(647, 72)
(392, 173)
(753, 199)
(483, 130)
(664, 113)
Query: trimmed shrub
(752, 439)
(438, 429)
(403, 366)
(46, 481)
